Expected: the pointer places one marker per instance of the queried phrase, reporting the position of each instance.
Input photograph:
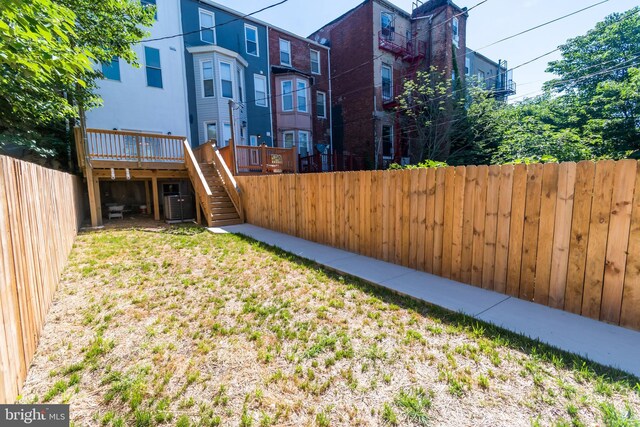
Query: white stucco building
(153, 97)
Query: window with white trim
(456, 31)
(260, 90)
(251, 40)
(226, 82)
(387, 78)
(285, 52)
(207, 22)
(226, 134)
(253, 140)
(304, 143)
(240, 78)
(210, 131)
(315, 61)
(467, 66)
(287, 139)
(207, 79)
(321, 105)
(301, 91)
(287, 95)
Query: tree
(451, 120)
(47, 48)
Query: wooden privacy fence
(40, 211)
(564, 235)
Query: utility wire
(543, 24)
(215, 26)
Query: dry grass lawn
(176, 326)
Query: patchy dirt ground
(177, 326)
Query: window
(287, 95)
(260, 89)
(387, 141)
(240, 75)
(210, 131)
(481, 78)
(315, 62)
(455, 29)
(152, 62)
(253, 140)
(321, 104)
(251, 40)
(111, 70)
(304, 144)
(150, 3)
(226, 84)
(226, 134)
(387, 24)
(301, 90)
(207, 22)
(285, 52)
(387, 92)
(207, 79)
(287, 139)
(467, 66)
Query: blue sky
(488, 23)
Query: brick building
(374, 48)
(301, 91)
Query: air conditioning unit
(179, 208)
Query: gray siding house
(226, 58)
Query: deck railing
(261, 159)
(138, 147)
(200, 186)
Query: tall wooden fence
(40, 211)
(563, 235)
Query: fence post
(263, 157)
(296, 159)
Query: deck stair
(222, 210)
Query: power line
(544, 24)
(215, 26)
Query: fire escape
(412, 52)
(505, 86)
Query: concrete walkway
(600, 342)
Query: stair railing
(200, 185)
(230, 184)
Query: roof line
(258, 21)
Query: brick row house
(332, 92)
(374, 48)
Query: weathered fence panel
(563, 235)
(40, 212)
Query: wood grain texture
(530, 234)
(545, 232)
(624, 181)
(630, 313)
(598, 231)
(32, 255)
(503, 228)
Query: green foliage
(592, 111)
(47, 52)
(425, 164)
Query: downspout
(273, 138)
(185, 86)
(330, 104)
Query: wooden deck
(110, 155)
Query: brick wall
(301, 62)
(353, 85)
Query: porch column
(147, 196)
(156, 203)
(96, 215)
